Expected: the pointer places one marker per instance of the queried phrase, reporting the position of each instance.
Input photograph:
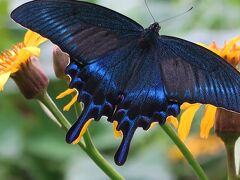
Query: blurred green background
(33, 148)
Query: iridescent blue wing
(126, 86)
(192, 74)
(103, 46)
(84, 30)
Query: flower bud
(31, 79)
(60, 62)
(227, 123)
(227, 127)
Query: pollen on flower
(12, 60)
(230, 51)
(8, 59)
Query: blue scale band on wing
(129, 110)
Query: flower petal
(198, 147)
(84, 129)
(186, 121)
(24, 55)
(117, 134)
(33, 39)
(3, 79)
(229, 45)
(65, 93)
(69, 105)
(32, 50)
(153, 124)
(207, 121)
(185, 105)
(172, 120)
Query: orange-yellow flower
(12, 60)
(231, 53)
(198, 147)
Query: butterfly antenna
(178, 15)
(149, 10)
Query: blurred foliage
(33, 148)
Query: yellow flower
(198, 148)
(231, 53)
(12, 60)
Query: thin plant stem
(229, 142)
(186, 153)
(47, 101)
(89, 148)
(231, 163)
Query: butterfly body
(150, 34)
(130, 74)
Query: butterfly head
(150, 35)
(155, 27)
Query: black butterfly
(128, 73)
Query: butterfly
(132, 75)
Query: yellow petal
(230, 44)
(185, 106)
(117, 134)
(172, 120)
(32, 50)
(216, 51)
(25, 53)
(69, 105)
(207, 121)
(65, 93)
(22, 57)
(153, 124)
(3, 79)
(198, 147)
(84, 129)
(33, 39)
(186, 121)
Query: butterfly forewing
(192, 74)
(84, 30)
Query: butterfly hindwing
(84, 30)
(192, 74)
(126, 86)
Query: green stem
(102, 163)
(48, 102)
(92, 151)
(186, 153)
(229, 142)
(89, 148)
